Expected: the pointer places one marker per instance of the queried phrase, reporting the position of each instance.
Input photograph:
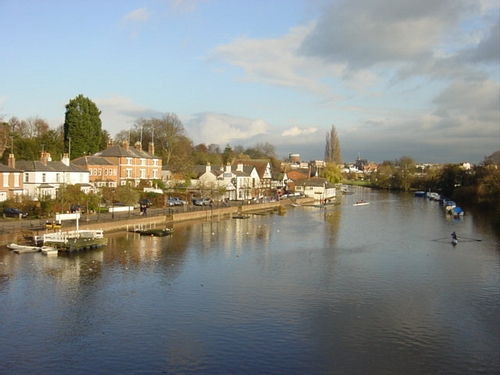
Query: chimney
(240, 167)
(45, 158)
(151, 148)
(110, 144)
(12, 161)
(125, 145)
(208, 168)
(138, 146)
(65, 159)
(228, 168)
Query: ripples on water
(346, 290)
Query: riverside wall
(208, 214)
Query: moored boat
(449, 205)
(21, 249)
(433, 196)
(457, 211)
(49, 250)
(155, 232)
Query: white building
(44, 177)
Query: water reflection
(312, 291)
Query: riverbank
(128, 224)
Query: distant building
(294, 158)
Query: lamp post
(113, 204)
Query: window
(44, 177)
(155, 173)
(155, 162)
(16, 179)
(5, 179)
(129, 161)
(143, 173)
(143, 161)
(128, 173)
(99, 172)
(26, 177)
(58, 177)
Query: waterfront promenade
(12, 230)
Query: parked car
(202, 202)
(14, 212)
(76, 208)
(175, 201)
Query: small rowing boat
(361, 203)
(49, 250)
(21, 249)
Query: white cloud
(119, 113)
(275, 61)
(222, 129)
(405, 76)
(185, 6)
(137, 16)
(296, 131)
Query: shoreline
(210, 214)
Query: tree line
(82, 134)
(476, 187)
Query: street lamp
(113, 204)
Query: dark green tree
(450, 178)
(227, 155)
(82, 127)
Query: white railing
(63, 237)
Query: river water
(377, 289)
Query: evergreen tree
(82, 127)
(333, 154)
(227, 155)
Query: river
(376, 289)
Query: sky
(394, 77)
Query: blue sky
(396, 78)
